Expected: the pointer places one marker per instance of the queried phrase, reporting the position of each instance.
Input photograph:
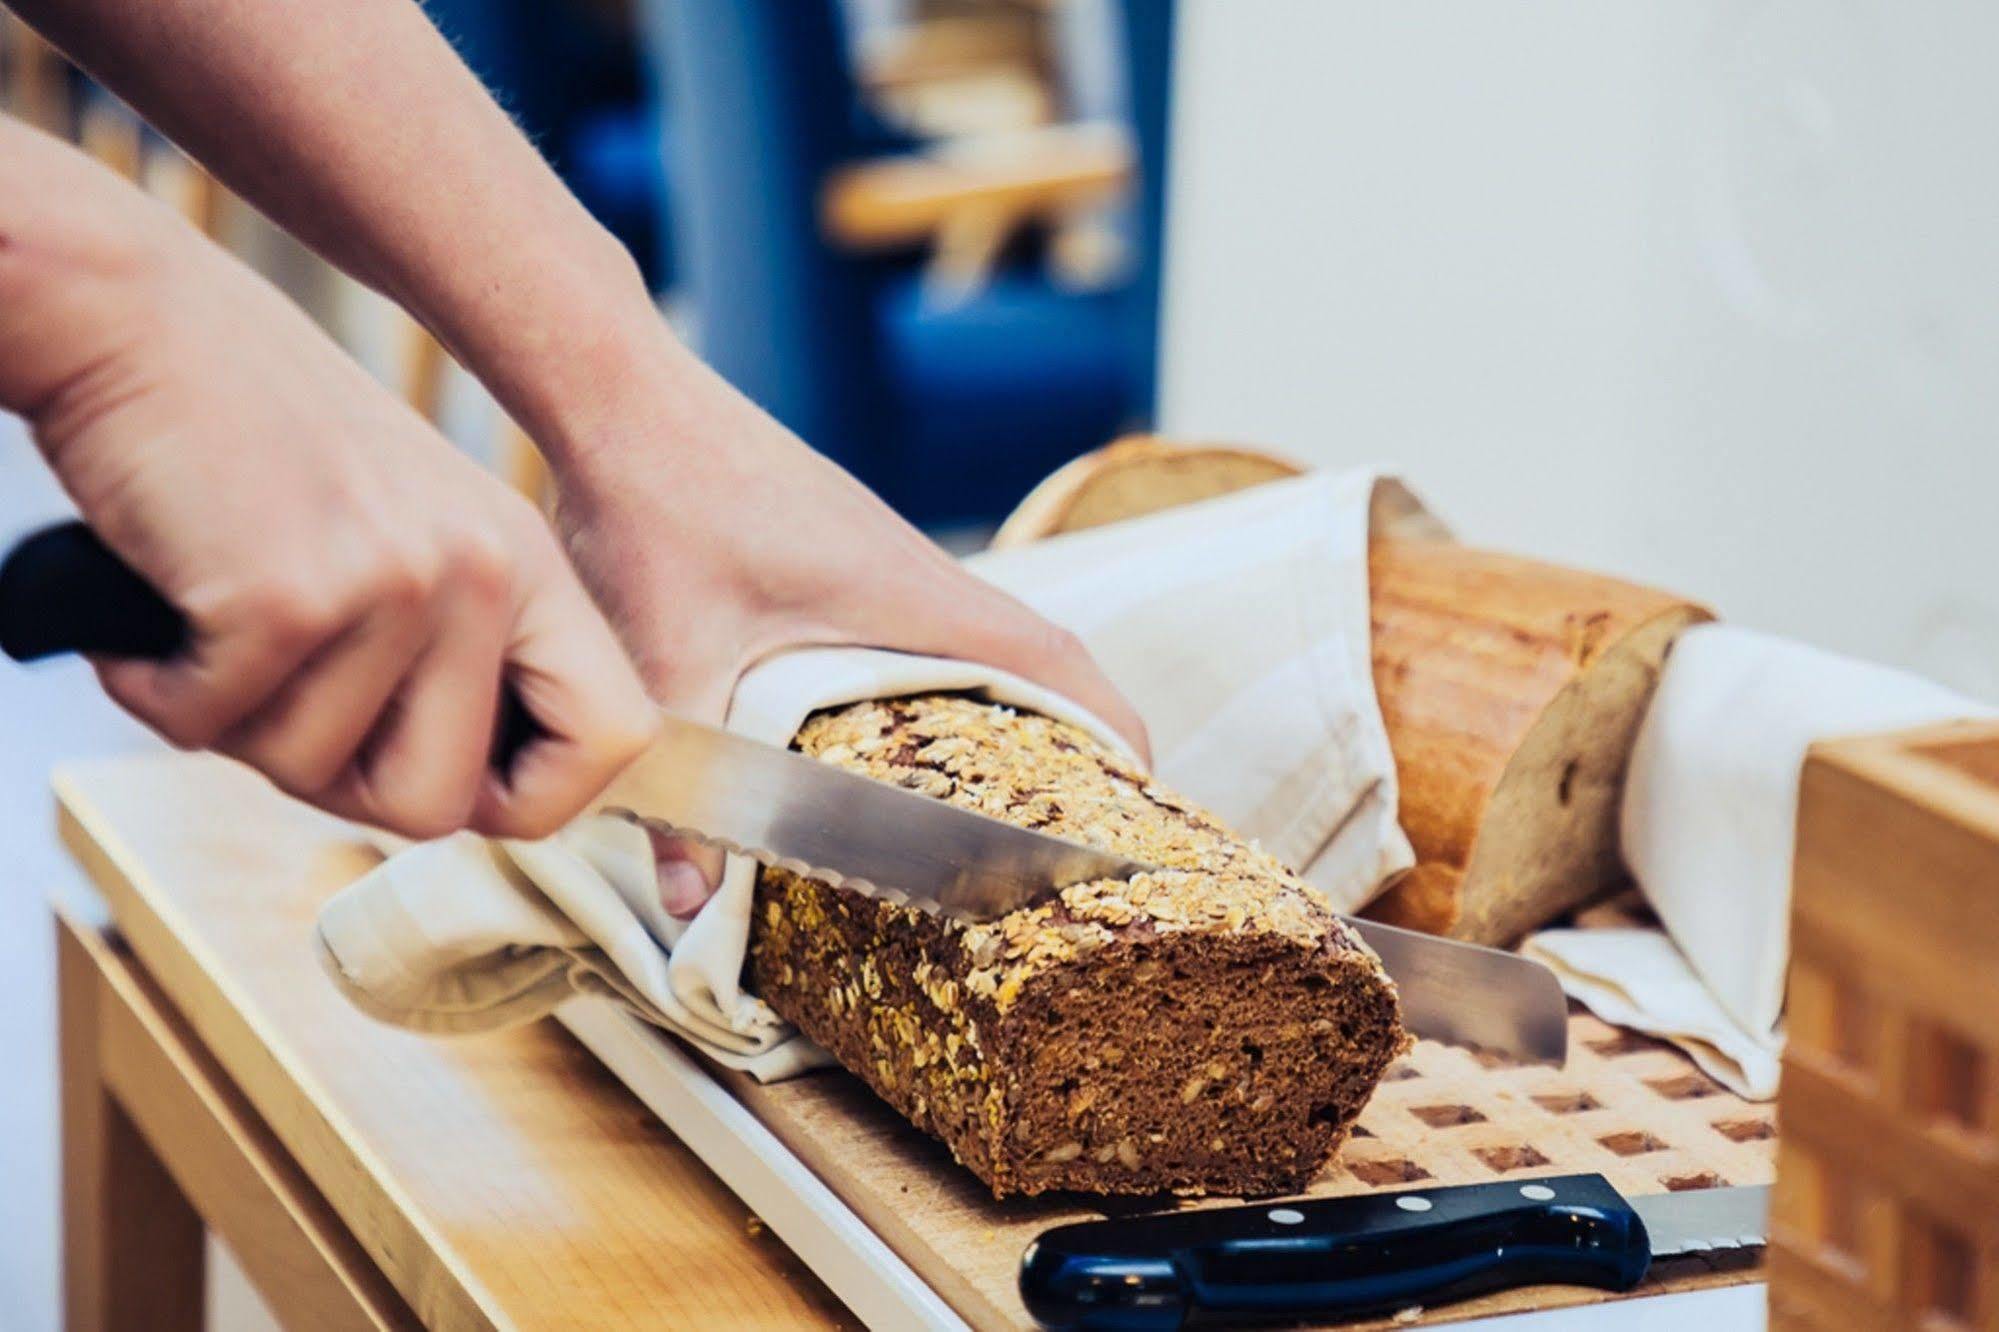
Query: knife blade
(1372, 1254)
(1466, 994)
(63, 590)
(787, 809)
(784, 808)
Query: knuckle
(627, 735)
(401, 580)
(558, 793)
(427, 816)
(521, 822)
(181, 718)
(189, 726)
(189, 716)
(288, 610)
(480, 563)
(424, 824)
(562, 786)
(1052, 643)
(421, 803)
(295, 782)
(297, 620)
(300, 773)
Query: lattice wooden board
(1632, 1109)
(1629, 1108)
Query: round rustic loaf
(1512, 692)
(1133, 476)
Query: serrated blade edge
(786, 809)
(791, 810)
(765, 856)
(1705, 1220)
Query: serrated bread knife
(63, 590)
(784, 808)
(1373, 1254)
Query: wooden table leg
(132, 1245)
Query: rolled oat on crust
(1212, 1028)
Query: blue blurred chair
(950, 410)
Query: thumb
(688, 871)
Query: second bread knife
(1372, 1254)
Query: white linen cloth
(467, 934)
(1237, 626)
(1709, 825)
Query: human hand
(357, 589)
(714, 538)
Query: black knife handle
(1350, 1257)
(63, 590)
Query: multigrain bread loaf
(1511, 690)
(1212, 1028)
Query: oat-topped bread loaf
(1211, 1028)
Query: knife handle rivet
(1537, 1192)
(1287, 1216)
(1410, 1202)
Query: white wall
(1702, 292)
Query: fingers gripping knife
(63, 590)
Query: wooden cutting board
(1627, 1107)
(215, 875)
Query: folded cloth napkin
(1635, 977)
(1708, 826)
(1238, 627)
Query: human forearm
(75, 242)
(356, 127)
(711, 535)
